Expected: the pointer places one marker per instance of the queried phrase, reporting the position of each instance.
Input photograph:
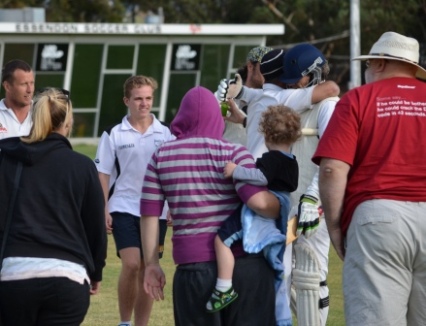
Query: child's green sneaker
(220, 300)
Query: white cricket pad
(306, 280)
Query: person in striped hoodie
(188, 173)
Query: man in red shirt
(372, 160)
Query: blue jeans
(43, 302)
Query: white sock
(223, 285)
(127, 323)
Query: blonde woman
(55, 245)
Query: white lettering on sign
(79, 28)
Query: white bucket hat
(394, 46)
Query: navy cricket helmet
(300, 61)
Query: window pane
(112, 106)
(179, 85)
(19, 51)
(120, 56)
(83, 124)
(151, 63)
(49, 80)
(214, 65)
(86, 75)
(240, 55)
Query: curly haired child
(278, 170)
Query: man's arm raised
(324, 90)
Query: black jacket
(281, 171)
(59, 210)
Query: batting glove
(308, 216)
(232, 88)
(222, 89)
(235, 87)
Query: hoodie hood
(199, 115)
(31, 153)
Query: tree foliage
(74, 10)
(11, 4)
(305, 20)
(326, 24)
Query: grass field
(104, 308)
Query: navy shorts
(127, 233)
(231, 228)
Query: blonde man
(122, 157)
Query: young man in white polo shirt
(15, 115)
(122, 157)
